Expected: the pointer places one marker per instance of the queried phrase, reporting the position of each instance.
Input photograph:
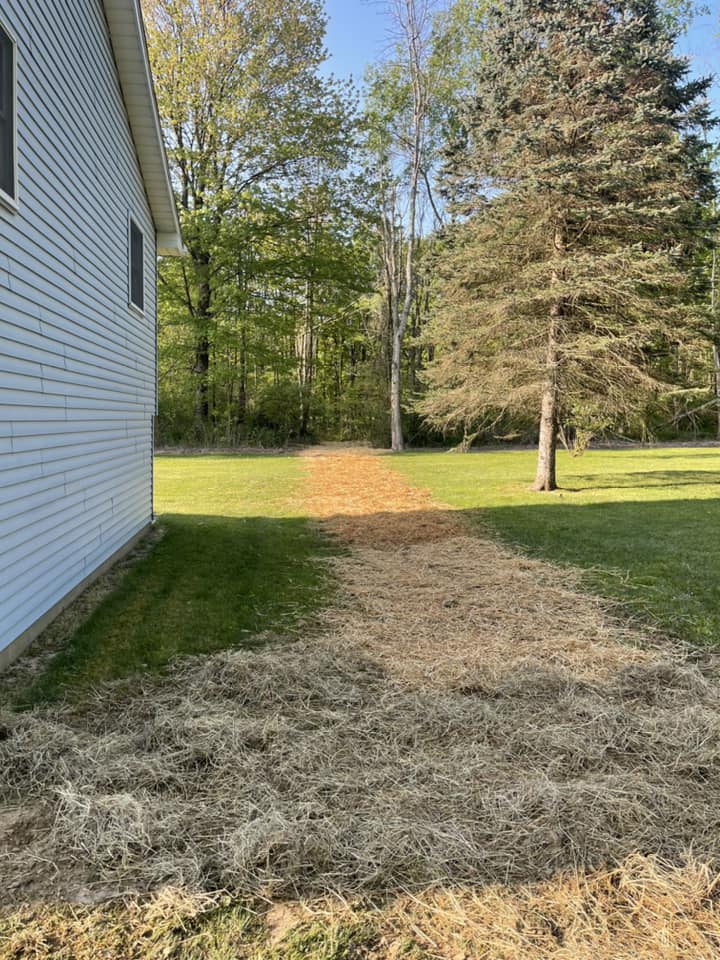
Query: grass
(286, 739)
(236, 559)
(175, 928)
(641, 522)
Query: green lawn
(644, 523)
(237, 558)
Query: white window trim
(134, 308)
(6, 200)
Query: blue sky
(702, 45)
(357, 35)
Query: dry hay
(463, 611)
(309, 769)
(464, 717)
(641, 910)
(361, 502)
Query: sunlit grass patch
(642, 523)
(236, 560)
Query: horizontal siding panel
(77, 366)
(70, 468)
(15, 511)
(83, 321)
(87, 269)
(63, 444)
(18, 343)
(83, 428)
(56, 380)
(20, 383)
(119, 468)
(97, 531)
(28, 601)
(29, 411)
(98, 390)
(51, 411)
(14, 479)
(79, 512)
(73, 569)
(21, 366)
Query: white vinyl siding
(77, 365)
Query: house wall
(77, 364)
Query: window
(137, 268)
(8, 189)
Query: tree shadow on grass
(649, 478)
(663, 557)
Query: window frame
(6, 200)
(134, 307)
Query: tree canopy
(507, 231)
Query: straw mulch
(464, 716)
(642, 910)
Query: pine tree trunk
(715, 351)
(547, 444)
(716, 387)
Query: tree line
(507, 232)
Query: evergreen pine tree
(577, 184)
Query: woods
(506, 230)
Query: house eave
(127, 35)
(170, 245)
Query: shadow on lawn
(216, 582)
(662, 556)
(649, 478)
(208, 584)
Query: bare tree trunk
(202, 344)
(242, 381)
(412, 19)
(306, 365)
(201, 368)
(396, 430)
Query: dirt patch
(465, 718)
